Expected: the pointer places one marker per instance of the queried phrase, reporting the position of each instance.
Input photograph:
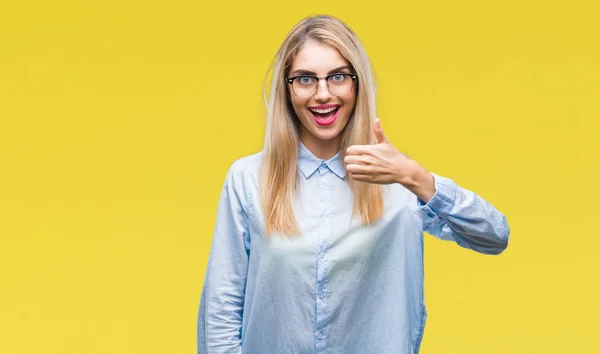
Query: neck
(322, 149)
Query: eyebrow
(307, 72)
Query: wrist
(419, 181)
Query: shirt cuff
(443, 200)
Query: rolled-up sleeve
(457, 214)
(222, 300)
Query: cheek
(350, 104)
(298, 106)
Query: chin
(329, 135)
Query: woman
(318, 245)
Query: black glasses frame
(290, 80)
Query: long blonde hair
(278, 173)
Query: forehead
(318, 57)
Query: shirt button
(320, 335)
(322, 254)
(322, 295)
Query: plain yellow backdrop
(119, 120)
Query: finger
(361, 177)
(360, 169)
(357, 159)
(358, 150)
(381, 138)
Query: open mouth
(325, 116)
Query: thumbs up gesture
(382, 163)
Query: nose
(323, 93)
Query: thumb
(381, 139)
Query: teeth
(322, 111)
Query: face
(323, 115)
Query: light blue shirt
(341, 287)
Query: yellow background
(119, 120)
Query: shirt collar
(309, 163)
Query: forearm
(455, 213)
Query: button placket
(324, 230)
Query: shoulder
(246, 165)
(242, 178)
(244, 171)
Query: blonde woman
(318, 244)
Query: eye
(305, 80)
(338, 77)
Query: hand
(382, 163)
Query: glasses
(305, 86)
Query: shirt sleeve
(222, 300)
(460, 215)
